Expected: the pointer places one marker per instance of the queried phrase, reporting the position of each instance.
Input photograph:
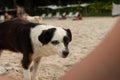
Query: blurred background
(45, 7)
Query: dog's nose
(65, 53)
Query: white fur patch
(48, 49)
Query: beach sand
(87, 34)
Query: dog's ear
(46, 36)
(69, 34)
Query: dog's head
(59, 38)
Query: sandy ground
(87, 34)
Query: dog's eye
(55, 42)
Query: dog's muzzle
(65, 53)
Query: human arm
(103, 63)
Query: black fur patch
(69, 34)
(15, 36)
(46, 36)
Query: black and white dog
(33, 41)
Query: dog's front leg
(26, 75)
(34, 68)
(26, 61)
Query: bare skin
(103, 63)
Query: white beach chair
(64, 13)
(76, 14)
(43, 15)
(49, 15)
(57, 15)
(70, 15)
(2, 18)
